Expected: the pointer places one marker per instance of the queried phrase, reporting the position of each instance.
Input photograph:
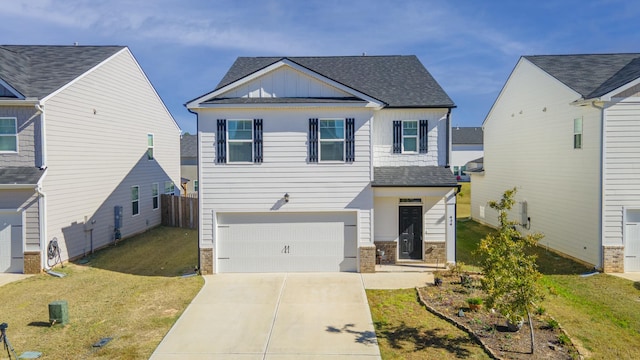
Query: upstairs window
(239, 141)
(331, 140)
(410, 136)
(195, 185)
(577, 133)
(8, 135)
(169, 188)
(150, 146)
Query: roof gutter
(603, 146)
(448, 147)
(43, 139)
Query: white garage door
(302, 242)
(11, 258)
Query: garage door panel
(250, 243)
(11, 239)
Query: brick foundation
(367, 259)
(32, 262)
(206, 261)
(390, 249)
(613, 259)
(435, 252)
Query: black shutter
(257, 141)
(221, 142)
(424, 136)
(350, 143)
(313, 140)
(397, 136)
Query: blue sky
(469, 46)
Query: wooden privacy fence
(179, 211)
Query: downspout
(199, 192)
(448, 146)
(602, 184)
(43, 141)
(42, 215)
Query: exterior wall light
(286, 197)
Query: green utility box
(59, 312)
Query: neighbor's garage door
(323, 242)
(11, 257)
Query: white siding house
(289, 149)
(466, 146)
(564, 131)
(96, 137)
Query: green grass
(405, 329)
(463, 201)
(130, 292)
(600, 312)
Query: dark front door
(410, 232)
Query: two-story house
(86, 148)
(466, 146)
(189, 163)
(310, 163)
(565, 130)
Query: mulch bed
(489, 327)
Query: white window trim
(152, 147)
(156, 196)
(172, 189)
(229, 141)
(15, 121)
(416, 136)
(344, 142)
(581, 132)
(135, 200)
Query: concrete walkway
(6, 278)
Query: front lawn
(131, 292)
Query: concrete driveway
(275, 316)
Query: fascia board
(285, 105)
(608, 96)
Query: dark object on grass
(102, 342)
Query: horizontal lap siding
(261, 187)
(528, 144)
(27, 202)
(97, 142)
(622, 167)
(29, 153)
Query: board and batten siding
(261, 187)
(285, 82)
(621, 166)
(96, 151)
(383, 137)
(29, 137)
(528, 144)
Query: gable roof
(36, 71)
(189, 145)
(466, 135)
(590, 75)
(397, 81)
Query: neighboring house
(475, 165)
(565, 130)
(466, 145)
(82, 133)
(309, 163)
(189, 163)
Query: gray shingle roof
(19, 175)
(38, 70)
(591, 75)
(397, 81)
(467, 135)
(413, 176)
(189, 146)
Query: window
(150, 146)
(577, 133)
(195, 185)
(331, 140)
(455, 170)
(135, 200)
(155, 194)
(239, 141)
(169, 188)
(410, 136)
(8, 135)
